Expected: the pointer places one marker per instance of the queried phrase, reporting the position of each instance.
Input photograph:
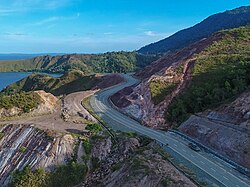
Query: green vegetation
(67, 175)
(87, 146)
(221, 72)
(25, 101)
(1, 135)
(99, 63)
(165, 182)
(72, 81)
(94, 128)
(28, 178)
(23, 149)
(63, 176)
(159, 89)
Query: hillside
(192, 90)
(226, 20)
(70, 82)
(100, 63)
(204, 75)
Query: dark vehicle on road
(194, 147)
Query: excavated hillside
(176, 85)
(22, 145)
(203, 90)
(225, 129)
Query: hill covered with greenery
(70, 82)
(226, 20)
(220, 73)
(110, 62)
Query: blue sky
(95, 26)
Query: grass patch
(94, 128)
(160, 89)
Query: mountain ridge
(220, 21)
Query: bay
(7, 78)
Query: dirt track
(54, 121)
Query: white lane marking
(192, 155)
(200, 167)
(175, 145)
(221, 168)
(213, 169)
(202, 162)
(225, 178)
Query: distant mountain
(88, 63)
(19, 56)
(226, 20)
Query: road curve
(219, 171)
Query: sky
(97, 26)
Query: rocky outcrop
(134, 164)
(102, 149)
(226, 130)
(22, 145)
(48, 103)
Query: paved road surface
(220, 171)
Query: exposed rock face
(126, 166)
(21, 145)
(48, 103)
(172, 68)
(146, 170)
(108, 157)
(102, 149)
(227, 130)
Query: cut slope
(217, 66)
(226, 20)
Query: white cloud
(20, 6)
(15, 34)
(54, 19)
(150, 33)
(46, 21)
(108, 33)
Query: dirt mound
(48, 103)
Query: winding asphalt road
(221, 172)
